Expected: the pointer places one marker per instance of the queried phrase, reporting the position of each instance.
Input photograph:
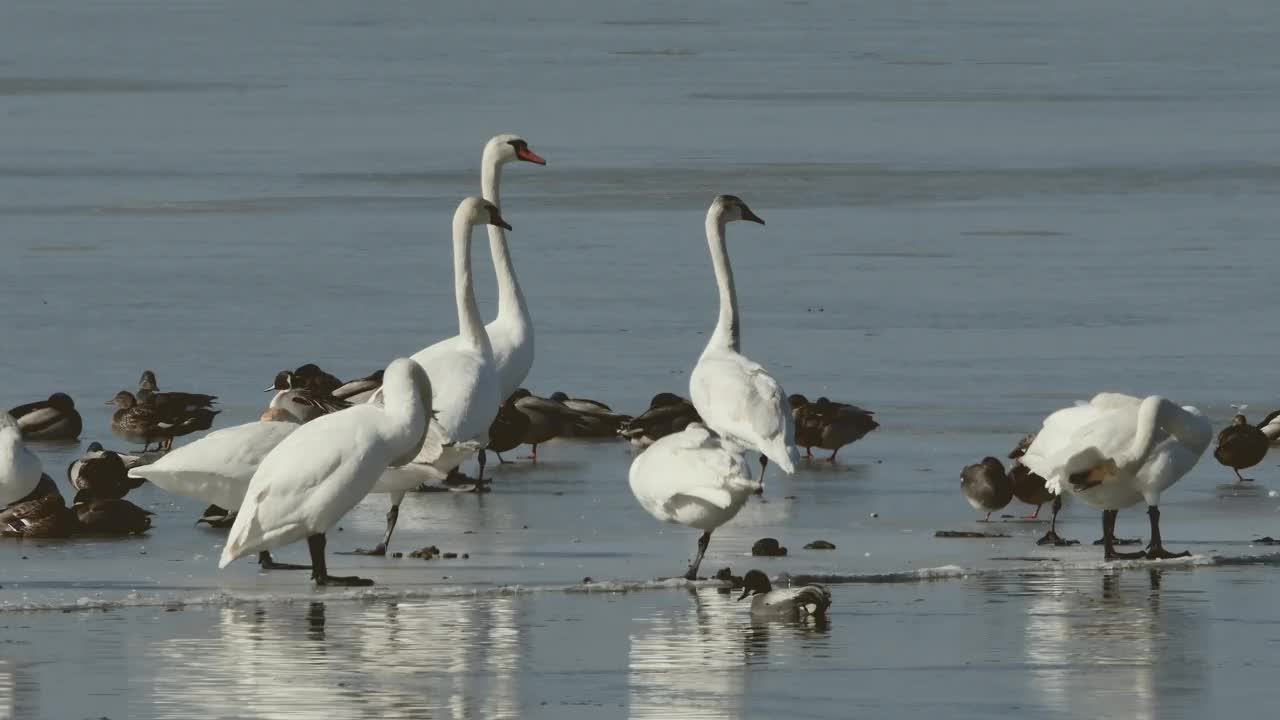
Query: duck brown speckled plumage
(828, 425)
(41, 514)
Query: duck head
(284, 380)
(148, 381)
(62, 402)
(123, 400)
(755, 583)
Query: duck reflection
(446, 658)
(1105, 647)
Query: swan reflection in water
(447, 658)
(698, 657)
(1115, 651)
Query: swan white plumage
(463, 372)
(20, 469)
(324, 468)
(695, 478)
(735, 396)
(1118, 450)
(511, 331)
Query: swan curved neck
(407, 410)
(1157, 413)
(470, 329)
(727, 334)
(511, 303)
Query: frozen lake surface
(976, 213)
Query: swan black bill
(750, 216)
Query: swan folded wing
(745, 402)
(309, 481)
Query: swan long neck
(1149, 412)
(727, 334)
(470, 329)
(511, 302)
(407, 408)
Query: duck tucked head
(755, 583)
(506, 148)
(796, 400)
(94, 446)
(665, 399)
(123, 399)
(559, 396)
(728, 208)
(1239, 420)
(62, 401)
(519, 394)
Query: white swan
(694, 478)
(20, 469)
(1118, 450)
(324, 468)
(463, 373)
(511, 332)
(735, 396)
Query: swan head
(728, 208)
(476, 210)
(123, 400)
(755, 583)
(508, 148)
(148, 381)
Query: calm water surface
(977, 214)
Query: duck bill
(745, 593)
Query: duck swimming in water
(793, 603)
(52, 420)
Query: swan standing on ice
(218, 467)
(462, 371)
(734, 395)
(326, 467)
(1118, 450)
(694, 478)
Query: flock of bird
(323, 445)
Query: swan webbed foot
(342, 580)
(1119, 541)
(1053, 538)
(265, 562)
(380, 550)
(1159, 553)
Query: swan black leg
(266, 563)
(764, 463)
(320, 571)
(1052, 537)
(1109, 539)
(480, 476)
(1155, 550)
(703, 542)
(381, 549)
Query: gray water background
(978, 213)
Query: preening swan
(1118, 450)
(20, 469)
(694, 478)
(735, 396)
(326, 467)
(463, 375)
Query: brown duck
(1240, 446)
